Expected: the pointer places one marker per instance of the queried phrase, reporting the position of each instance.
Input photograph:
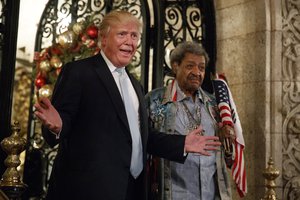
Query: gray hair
(181, 49)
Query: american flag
(230, 117)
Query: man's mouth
(126, 51)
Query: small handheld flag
(229, 116)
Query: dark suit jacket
(94, 152)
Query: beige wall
(249, 47)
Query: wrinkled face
(190, 73)
(120, 43)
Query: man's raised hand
(48, 115)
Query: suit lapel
(105, 75)
(107, 79)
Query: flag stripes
(229, 116)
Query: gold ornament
(87, 42)
(11, 182)
(66, 39)
(78, 28)
(270, 174)
(45, 91)
(55, 62)
(45, 66)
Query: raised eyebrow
(122, 32)
(135, 33)
(202, 65)
(191, 62)
(131, 33)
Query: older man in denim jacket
(176, 109)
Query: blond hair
(116, 17)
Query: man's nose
(196, 71)
(129, 40)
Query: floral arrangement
(78, 42)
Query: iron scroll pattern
(189, 20)
(182, 22)
(57, 16)
(291, 100)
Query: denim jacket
(162, 109)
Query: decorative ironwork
(183, 22)
(58, 15)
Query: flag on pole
(229, 116)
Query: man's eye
(121, 34)
(134, 36)
(202, 68)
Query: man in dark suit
(99, 156)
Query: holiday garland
(78, 42)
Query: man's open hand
(48, 115)
(197, 143)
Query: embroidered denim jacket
(162, 112)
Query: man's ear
(103, 40)
(175, 67)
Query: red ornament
(40, 81)
(92, 31)
(55, 50)
(76, 47)
(83, 37)
(44, 54)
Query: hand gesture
(197, 143)
(48, 115)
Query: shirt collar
(111, 67)
(174, 93)
(181, 96)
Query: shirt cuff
(184, 153)
(57, 135)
